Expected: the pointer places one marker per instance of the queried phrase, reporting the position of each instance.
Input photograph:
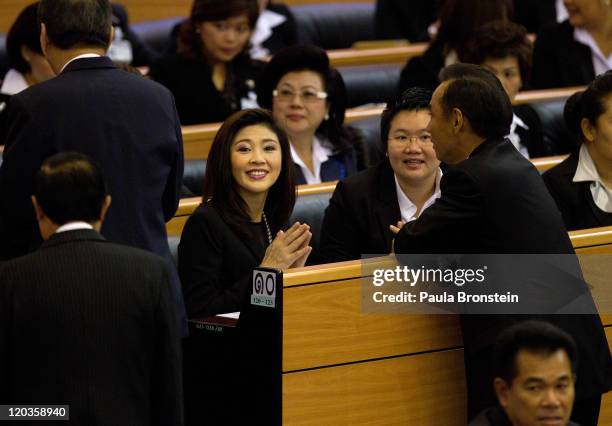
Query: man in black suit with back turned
(126, 123)
(85, 322)
(494, 201)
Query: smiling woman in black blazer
(249, 193)
(582, 184)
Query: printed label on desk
(264, 289)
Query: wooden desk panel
(426, 390)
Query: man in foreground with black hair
(84, 322)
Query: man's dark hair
(25, 31)
(460, 18)
(481, 98)
(413, 99)
(220, 187)
(533, 336)
(76, 23)
(499, 40)
(70, 187)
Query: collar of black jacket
(89, 63)
(72, 236)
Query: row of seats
(550, 113)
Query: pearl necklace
(268, 232)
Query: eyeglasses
(423, 139)
(307, 96)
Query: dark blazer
(480, 212)
(359, 214)
(126, 123)
(197, 99)
(533, 139)
(409, 19)
(91, 324)
(559, 60)
(535, 15)
(337, 167)
(215, 266)
(285, 34)
(574, 199)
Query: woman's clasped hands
(290, 248)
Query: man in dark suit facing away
(85, 322)
(493, 201)
(126, 123)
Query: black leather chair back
(334, 25)
(370, 83)
(554, 130)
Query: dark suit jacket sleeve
(21, 161)
(168, 387)
(339, 233)
(172, 192)
(447, 223)
(4, 336)
(202, 255)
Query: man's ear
(457, 120)
(105, 205)
(112, 36)
(44, 38)
(588, 130)
(502, 390)
(40, 214)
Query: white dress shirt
(13, 83)
(263, 30)
(73, 226)
(320, 154)
(587, 172)
(515, 138)
(84, 55)
(407, 207)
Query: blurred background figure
(127, 47)
(459, 19)
(308, 101)
(582, 184)
(573, 52)
(275, 29)
(211, 75)
(504, 49)
(28, 65)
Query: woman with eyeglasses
(211, 75)
(365, 209)
(308, 100)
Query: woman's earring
(327, 113)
